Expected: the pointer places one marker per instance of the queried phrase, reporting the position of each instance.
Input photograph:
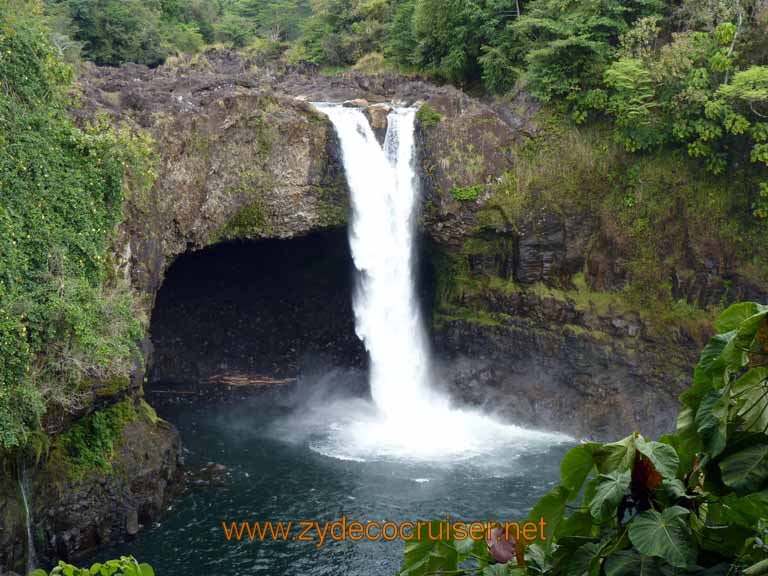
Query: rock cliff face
(234, 163)
(528, 317)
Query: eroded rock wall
(533, 257)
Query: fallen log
(248, 380)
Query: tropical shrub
(692, 502)
(124, 566)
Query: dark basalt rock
(73, 517)
(541, 248)
(378, 117)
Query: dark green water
(275, 475)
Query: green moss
(427, 116)
(333, 70)
(333, 207)
(111, 386)
(89, 444)
(498, 284)
(146, 412)
(509, 203)
(469, 193)
(251, 221)
(471, 315)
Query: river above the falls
(269, 444)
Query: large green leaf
(746, 470)
(496, 570)
(427, 556)
(585, 561)
(611, 488)
(686, 440)
(662, 456)
(615, 456)
(675, 488)
(703, 382)
(664, 535)
(711, 360)
(752, 392)
(734, 315)
(577, 524)
(745, 510)
(727, 540)
(757, 569)
(630, 563)
(538, 557)
(472, 548)
(552, 508)
(735, 354)
(576, 466)
(752, 379)
(712, 421)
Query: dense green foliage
(325, 32)
(684, 74)
(89, 444)
(112, 32)
(64, 317)
(124, 566)
(693, 502)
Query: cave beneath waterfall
(268, 309)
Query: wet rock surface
(75, 516)
(562, 379)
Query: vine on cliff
(65, 316)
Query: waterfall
(384, 194)
(31, 556)
(410, 419)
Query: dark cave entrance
(269, 308)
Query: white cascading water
(410, 419)
(31, 556)
(383, 189)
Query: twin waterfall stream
(411, 417)
(384, 195)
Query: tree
(276, 20)
(117, 31)
(340, 32)
(571, 43)
(402, 41)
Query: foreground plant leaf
(575, 467)
(630, 563)
(664, 535)
(712, 420)
(611, 489)
(746, 470)
(662, 456)
(426, 555)
(616, 455)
